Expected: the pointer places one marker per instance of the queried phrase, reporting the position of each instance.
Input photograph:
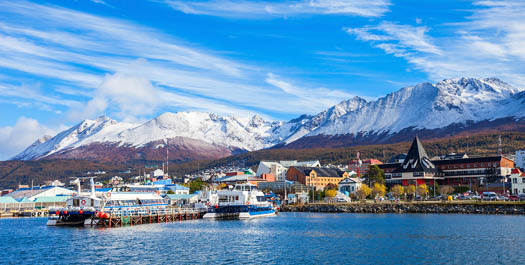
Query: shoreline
(412, 207)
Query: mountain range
(444, 109)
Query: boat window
(75, 202)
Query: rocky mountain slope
(449, 107)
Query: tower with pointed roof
(417, 167)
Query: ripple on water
(290, 238)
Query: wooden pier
(123, 218)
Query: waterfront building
(35, 192)
(517, 182)
(315, 177)
(416, 168)
(454, 170)
(520, 159)
(362, 165)
(350, 185)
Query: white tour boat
(244, 201)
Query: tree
(446, 190)
(363, 191)
(331, 186)
(330, 193)
(398, 190)
(378, 190)
(196, 185)
(221, 186)
(411, 189)
(375, 175)
(422, 190)
(170, 192)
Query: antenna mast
(167, 163)
(500, 151)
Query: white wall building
(517, 180)
(350, 185)
(275, 168)
(520, 159)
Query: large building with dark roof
(462, 170)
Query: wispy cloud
(491, 42)
(265, 9)
(87, 52)
(307, 98)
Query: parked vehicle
(513, 198)
(521, 197)
(490, 196)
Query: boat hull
(239, 212)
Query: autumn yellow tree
(330, 193)
(378, 190)
(363, 192)
(221, 186)
(422, 190)
(411, 189)
(398, 190)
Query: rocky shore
(438, 207)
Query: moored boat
(244, 201)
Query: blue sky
(65, 61)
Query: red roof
(515, 171)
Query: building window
(523, 180)
(514, 180)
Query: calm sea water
(290, 238)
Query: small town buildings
(517, 182)
(349, 185)
(315, 177)
(363, 165)
(520, 159)
(279, 169)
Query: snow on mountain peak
(424, 105)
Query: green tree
(170, 192)
(398, 190)
(375, 175)
(196, 185)
(378, 190)
(363, 192)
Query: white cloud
(85, 52)
(16, 138)
(490, 43)
(265, 9)
(307, 99)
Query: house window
(514, 180)
(523, 180)
(515, 191)
(523, 190)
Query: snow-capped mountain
(437, 110)
(424, 106)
